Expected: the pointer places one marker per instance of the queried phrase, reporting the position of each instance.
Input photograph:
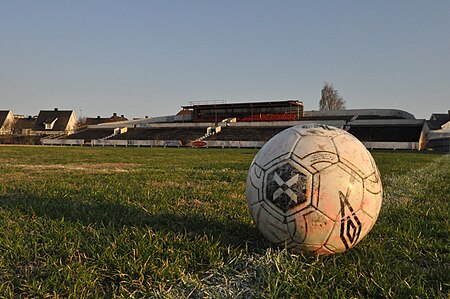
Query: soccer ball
(315, 189)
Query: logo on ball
(286, 187)
(350, 225)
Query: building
(100, 120)
(23, 125)
(436, 132)
(6, 122)
(376, 128)
(53, 122)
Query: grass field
(173, 223)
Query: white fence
(62, 142)
(211, 144)
(391, 145)
(231, 144)
(138, 143)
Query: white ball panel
(318, 166)
(374, 165)
(277, 148)
(334, 241)
(317, 130)
(314, 145)
(373, 183)
(297, 228)
(252, 193)
(349, 231)
(331, 248)
(323, 250)
(257, 172)
(371, 203)
(335, 183)
(318, 227)
(273, 228)
(367, 223)
(353, 153)
(254, 182)
(310, 248)
(316, 161)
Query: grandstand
(183, 134)
(90, 134)
(252, 124)
(377, 128)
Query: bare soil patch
(103, 167)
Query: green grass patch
(174, 223)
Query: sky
(149, 58)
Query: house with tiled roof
(23, 124)
(100, 120)
(52, 122)
(439, 121)
(436, 132)
(6, 122)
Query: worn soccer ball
(314, 189)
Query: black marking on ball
(286, 187)
(350, 225)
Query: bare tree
(331, 100)
(81, 121)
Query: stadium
(157, 207)
(227, 125)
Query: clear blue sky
(142, 58)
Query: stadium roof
(361, 113)
(286, 103)
(386, 123)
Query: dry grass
(101, 168)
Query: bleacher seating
(246, 133)
(172, 133)
(91, 134)
(270, 117)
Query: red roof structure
(216, 112)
